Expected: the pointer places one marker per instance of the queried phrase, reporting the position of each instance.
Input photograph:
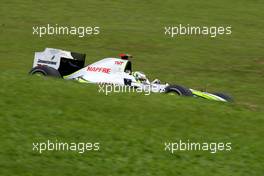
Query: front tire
(179, 90)
(44, 70)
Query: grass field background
(132, 128)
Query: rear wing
(65, 62)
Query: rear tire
(224, 96)
(45, 71)
(179, 90)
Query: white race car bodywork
(112, 71)
(109, 70)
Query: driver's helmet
(140, 76)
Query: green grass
(132, 128)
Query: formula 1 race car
(116, 71)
